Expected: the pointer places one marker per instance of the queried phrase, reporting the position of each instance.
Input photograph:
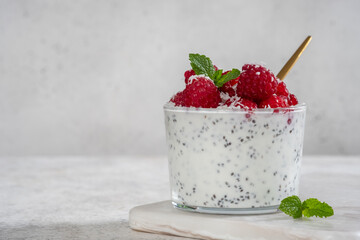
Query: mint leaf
(291, 206)
(313, 207)
(234, 73)
(218, 74)
(309, 208)
(201, 65)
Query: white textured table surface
(90, 198)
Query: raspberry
(240, 103)
(256, 83)
(282, 90)
(188, 74)
(230, 86)
(274, 102)
(178, 99)
(292, 100)
(201, 92)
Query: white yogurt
(233, 158)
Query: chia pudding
(234, 139)
(233, 160)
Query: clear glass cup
(227, 161)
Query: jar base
(228, 211)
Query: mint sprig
(311, 207)
(203, 65)
(220, 81)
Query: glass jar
(227, 161)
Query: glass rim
(172, 108)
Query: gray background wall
(90, 77)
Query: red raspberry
(292, 100)
(202, 92)
(256, 83)
(230, 86)
(188, 74)
(274, 102)
(178, 99)
(282, 90)
(240, 103)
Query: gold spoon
(290, 63)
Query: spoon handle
(290, 63)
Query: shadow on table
(110, 230)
